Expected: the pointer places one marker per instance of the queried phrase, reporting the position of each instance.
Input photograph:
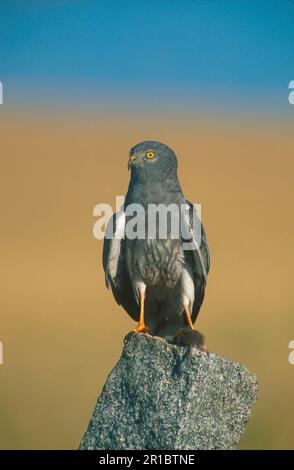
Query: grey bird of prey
(157, 281)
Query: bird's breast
(155, 261)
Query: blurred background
(85, 81)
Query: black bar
(134, 459)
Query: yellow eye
(150, 155)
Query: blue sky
(236, 50)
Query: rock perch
(156, 397)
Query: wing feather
(114, 264)
(198, 254)
(113, 253)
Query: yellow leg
(141, 328)
(188, 317)
(190, 324)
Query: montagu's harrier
(159, 279)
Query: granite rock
(160, 397)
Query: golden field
(61, 329)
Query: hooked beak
(131, 161)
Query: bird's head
(152, 159)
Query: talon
(141, 328)
(204, 348)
